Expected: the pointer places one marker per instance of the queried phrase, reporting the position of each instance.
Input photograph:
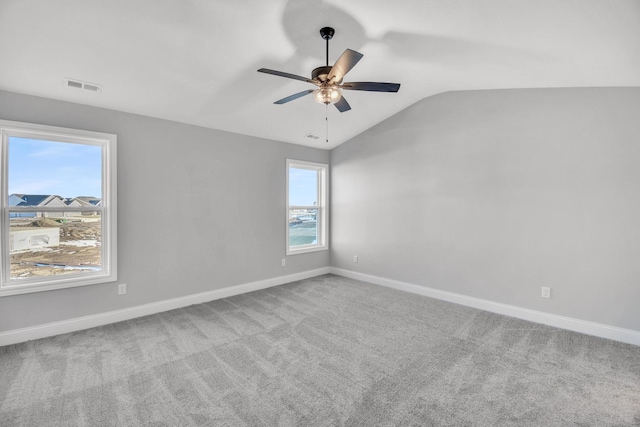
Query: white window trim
(107, 210)
(322, 207)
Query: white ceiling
(195, 61)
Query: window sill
(17, 289)
(307, 249)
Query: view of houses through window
(50, 243)
(306, 201)
(303, 202)
(53, 208)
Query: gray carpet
(321, 352)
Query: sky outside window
(303, 187)
(52, 167)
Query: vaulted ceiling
(195, 61)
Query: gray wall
(198, 210)
(493, 194)
(489, 194)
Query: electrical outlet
(355, 259)
(546, 292)
(122, 288)
(284, 262)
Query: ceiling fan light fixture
(327, 95)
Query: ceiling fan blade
(372, 86)
(287, 75)
(344, 64)
(294, 96)
(342, 105)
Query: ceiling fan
(329, 79)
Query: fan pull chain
(326, 119)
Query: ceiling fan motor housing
(321, 73)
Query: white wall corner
(583, 326)
(79, 323)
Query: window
(58, 190)
(307, 216)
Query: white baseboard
(56, 328)
(590, 328)
(85, 322)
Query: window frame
(107, 208)
(322, 218)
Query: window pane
(53, 243)
(44, 168)
(303, 187)
(44, 173)
(303, 227)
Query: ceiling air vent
(312, 136)
(94, 88)
(78, 84)
(74, 84)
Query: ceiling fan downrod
(326, 94)
(327, 34)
